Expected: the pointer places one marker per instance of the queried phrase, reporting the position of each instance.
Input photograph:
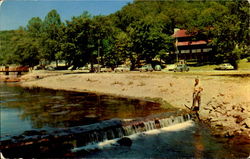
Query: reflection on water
(24, 109)
(199, 147)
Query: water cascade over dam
(41, 143)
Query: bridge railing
(15, 69)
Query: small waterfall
(96, 136)
(156, 123)
(81, 136)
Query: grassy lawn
(203, 68)
(243, 65)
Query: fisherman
(196, 95)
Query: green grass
(204, 68)
(243, 64)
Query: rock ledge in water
(125, 141)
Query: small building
(188, 46)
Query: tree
(231, 33)
(76, 40)
(50, 37)
(25, 49)
(6, 46)
(103, 33)
(34, 27)
(123, 48)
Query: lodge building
(187, 48)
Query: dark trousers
(196, 101)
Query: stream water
(24, 109)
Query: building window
(207, 49)
(194, 51)
(185, 51)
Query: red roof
(200, 42)
(181, 33)
(186, 43)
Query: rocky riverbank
(225, 100)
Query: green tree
(76, 40)
(50, 37)
(123, 48)
(25, 50)
(6, 46)
(34, 27)
(231, 33)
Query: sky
(15, 13)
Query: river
(26, 109)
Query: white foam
(1, 2)
(93, 146)
(109, 143)
(106, 143)
(176, 127)
(127, 119)
(1, 156)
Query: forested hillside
(139, 31)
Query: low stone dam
(59, 142)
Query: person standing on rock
(196, 95)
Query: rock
(226, 102)
(31, 133)
(213, 119)
(246, 107)
(238, 132)
(204, 113)
(230, 122)
(157, 124)
(239, 119)
(125, 141)
(229, 107)
(235, 113)
(214, 115)
(220, 111)
(219, 124)
(207, 108)
(247, 122)
(221, 94)
(214, 106)
(229, 134)
(218, 134)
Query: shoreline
(225, 102)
